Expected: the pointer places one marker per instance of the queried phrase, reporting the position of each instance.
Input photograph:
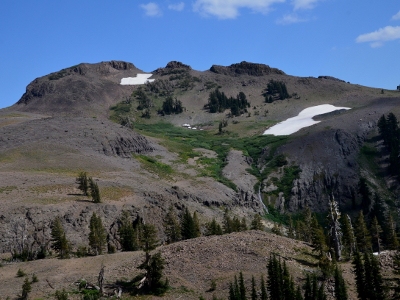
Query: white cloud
(151, 9)
(304, 4)
(290, 19)
(178, 6)
(396, 16)
(229, 9)
(378, 37)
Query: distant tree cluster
(87, 184)
(390, 133)
(171, 106)
(276, 90)
(219, 102)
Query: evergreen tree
(149, 241)
(82, 182)
(392, 240)
(59, 242)
(363, 189)
(97, 235)
(359, 272)
(291, 230)
(94, 191)
(376, 231)
(242, 288)
(243, 225)
(362, 234)
(227, 225)
(318, 237)
(253, 289)
(188, 229)
(340, 286)
(378, 284)
(213, 228)
(196, 223)
(26, 289)
(349, 239)
(256, 223)
(127, 234)
(154, 269)
(264, 295)
(172, 226)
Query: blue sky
(357, 41)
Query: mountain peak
(245, 68)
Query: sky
(357, 41)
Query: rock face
(85, 89)
(245, 68)
(173, 67)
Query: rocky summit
(177, 139)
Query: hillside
(144, 160)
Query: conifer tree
(243, 225)
(291, 230)
(172, 226)
(82, 182)
(256, 223)
(379, 288)
(359, 272)
(376, 231)
(348, 238)
(242, 288)
(149, 241)
(392, 240)
(127, 234)
(264, 295)
(340, 286)
(253, 289)
(97, 234)
(213, 228)
(362, 235)
(94, 190)
(188, 227)
(318, 237)
(196, 223)
(59, 241)
(26, 289)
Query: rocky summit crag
(144, 160)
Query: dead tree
(335, 231)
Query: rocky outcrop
(173, 67)
(245, 68)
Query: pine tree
(196, 223)
(363, 189)
(188, 227)
(26, 289)
(362, 234)
(154, 270)
(291, 230)
(379, 288)
(348, 238)
(264, 295)
(94, 190)
(392, 240)
(59, 241)
(172, 226)
(340, 286)
(149, 241)
(253, 289)
(82, 182)
(213, 228)
(359, 272)
(376, 231)
(242, 288)
(256, 223)
(243, 225)
(318, 237)
(127, 234)
(97, 234)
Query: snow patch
(139, 79)
(304, 119)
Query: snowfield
(139, 79)
(304, 119)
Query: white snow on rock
(304, 119)
(139, 79)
